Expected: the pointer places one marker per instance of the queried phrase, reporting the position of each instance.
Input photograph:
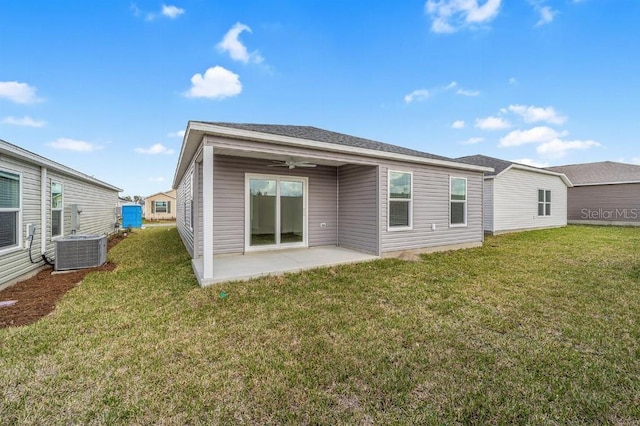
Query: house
(38, 198)
(519, 197)
(603, 193)
(160, 206)
(249, 188)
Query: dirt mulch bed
(37, 296)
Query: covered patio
(242, 267)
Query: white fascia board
(562, 176)
(325, 146)
(30, 157)
(607, 183)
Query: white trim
(544, 203)
(247, 218)
(32, 158)
(409, 201)
(197, 130)
(562, 176)
(60, 209)
(207, 212)
(19, 210)
(465, 202)
(607, 183)
(43, 210)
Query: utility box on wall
(132, 216)
(76, 210)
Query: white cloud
(155, 149)
(171, 12)
(217, 83)
(533, 114)
(540, 134)
(449, 16)
(156, 179)
(458, 124)
(546, 15)
(472, 141)
(513, 81)
(232, 45)
(451, 85)
(530, 162)
(558, 148)
(468, 92)
(417, 95)
(179, 134)
(25, 121)
(492, 123)
(17, 92)
(635, 160)
(74, 145)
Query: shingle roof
(482, 160)
(321, 135)
(599, 173)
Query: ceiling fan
(291, 164)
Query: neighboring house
(603, 193)
(38, 196)
(519, 197)
(160, 206)
(249, 187)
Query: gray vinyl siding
(183, 196)
(605, 203)
(229, 198)
(98, 215)
(358, 208)
(488, 205)
(431, 206)
(516, 201)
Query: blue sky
(106, 87)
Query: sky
(107, 87)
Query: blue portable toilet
(131, 216)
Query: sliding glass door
(276, 212)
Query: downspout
(43, 210)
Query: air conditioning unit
(80, 251)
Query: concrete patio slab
(242, 267)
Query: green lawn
(538, 327)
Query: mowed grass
(540, 327)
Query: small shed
(132, 216)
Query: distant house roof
(499, 166)
(306, 136)
(170, 193)
(600, 173)
(33, 158)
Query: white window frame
(464, 202)
(544, 203)
(189, 218)
(60, 209)
(409, 200)
(18, 245)
(247, 218)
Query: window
(9, 210)
(57, 207)
(544, 202)
(458, 201)
(400, 198)
(161, 207)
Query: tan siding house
(248, 188)
(160, 206)
(37, 196)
